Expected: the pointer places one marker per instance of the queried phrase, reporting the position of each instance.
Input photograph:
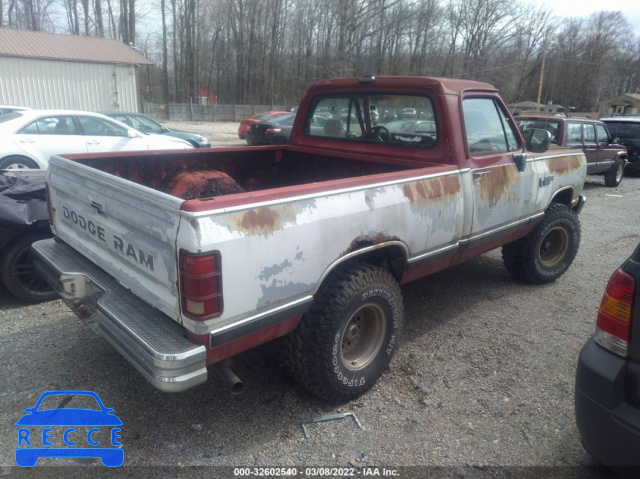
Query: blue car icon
(64, 422)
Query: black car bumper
(609, 426)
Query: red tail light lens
(614, 316)
(201, 285)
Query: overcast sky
(584, 8)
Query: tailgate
(126, 229)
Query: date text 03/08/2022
(314, 472)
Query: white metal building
(51, 71)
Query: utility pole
(544, 57)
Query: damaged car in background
(23, 220)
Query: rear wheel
(613, 177)
(346, 340)
(546, 253)
(19, 274)
(17, 163)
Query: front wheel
(346, 340)
(546, 253)
(613, 177)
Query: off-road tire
(18, 271)
(613, 177)
(344, 343)
(545, 253)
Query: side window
(589, 134)
(51, 125)
(487, 127)
(574, 133)
(99, 127)
(395, 119)
(30, 129)
(603, 135)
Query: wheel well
(563, 197)
(391, 257)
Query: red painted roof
(52, 46)
(445, 85)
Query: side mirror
(615, 141)
(132, 134)
(537, 140)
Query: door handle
(94, 142)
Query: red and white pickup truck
(183, 259)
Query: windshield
(140, 123)
(65, 401)
(10, 116)
(285, 119)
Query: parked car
(23, 220)
(29, 138)
(148, 125)
(607, 394)
(275, 130)
(409, 113)
(6, 109)
(604, 154)
(627, 130)
(244, 124)
(411, 126)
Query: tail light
(272, 131)
(614, 316)
(201, 285)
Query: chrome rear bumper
(151, 341)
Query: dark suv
(607, 394)
(627, 130)
(604, 155)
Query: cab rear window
(394, 119)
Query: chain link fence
(195, 112)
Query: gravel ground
(482, 385)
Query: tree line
(268, 51)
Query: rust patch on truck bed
(432, 189)
(363, 241)
(266, 220)
(563, 165)
(260, 221)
